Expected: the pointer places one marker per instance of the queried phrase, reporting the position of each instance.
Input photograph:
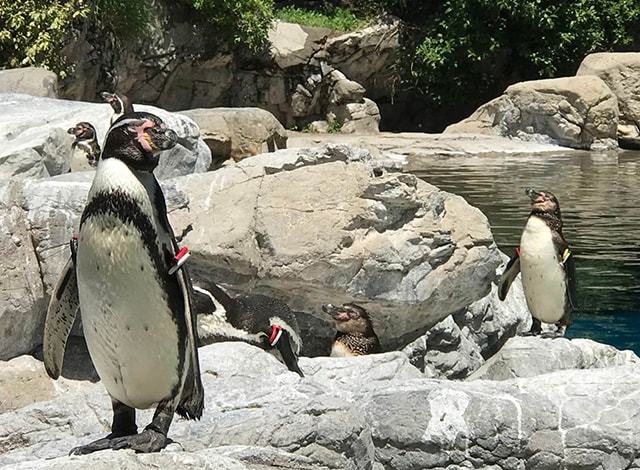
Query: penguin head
(350, 318)
(543, 202)
(137, 139)
(115, 101)
(83, 131)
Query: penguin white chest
(340, 350)
(131, 334)
(79, 160)
(543, 276)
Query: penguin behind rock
(120, 104)
(257, 319)
(546, 263)
(135, 298)
(355, 336)
(85, 150)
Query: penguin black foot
(100, 444)
(147, 441)
(536, 328)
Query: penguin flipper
(508, 276)
(61, 313)
(288, 356)
(570, 270)
(192, 399)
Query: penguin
(355, 335)
(546, 263)
(260, 320)
(134, 292)
(85, 148)
(120, 104)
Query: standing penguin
(120, 104)
(262, 321)
(547, 265)
(355, 335)
(85, 148)
(135, 296)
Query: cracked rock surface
(374, 412)
(579, 112)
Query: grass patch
(339, 19)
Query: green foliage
(334, 127)
(471, 48)
(339, 19)
(32, 32)
(126, 18)
(244, 22)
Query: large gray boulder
(238, 133)
(579, 112)
(531, 356)
(309, 226)
(34, 81)
(34, 142)
(621, 72)
(354, 413)
(21, 288)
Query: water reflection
(600, 208)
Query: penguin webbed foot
(146, 442)
(536, 328)
(101, 444)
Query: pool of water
(598, 194)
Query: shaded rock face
(621, 72)
(168, 68)
(460, 344)
(34, 142)
(532, 356)
(34, 81)
(308, 226)
(371, 412)
(579, 112)
(238, 132)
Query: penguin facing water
(85, 150)
(546, 263)
(119, 103)
(136, 304)
(257, 319)
(355, 335)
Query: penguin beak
(335, 312)
(71, 130)
(534, 195)
(108, 97)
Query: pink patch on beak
(142, 137)
(341, 316)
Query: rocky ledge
(374, 412)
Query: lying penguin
(134, 294)
(85, 148)
(262, 321)
(355, 335)
(546, 263)
(120, 104)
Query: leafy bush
(244, 22)
(125, 18)
(474, 48)
(33, 31)
(339, 19)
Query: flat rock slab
(531, 356)
(354, 413)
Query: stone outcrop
(169, 69)
(34, 142)
(34, 81)
(532, 356)
(308, 226)
(621, 72)
(373, 412)
(579, 112)
(460, 344)
(238, 132)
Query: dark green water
(598, 196)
